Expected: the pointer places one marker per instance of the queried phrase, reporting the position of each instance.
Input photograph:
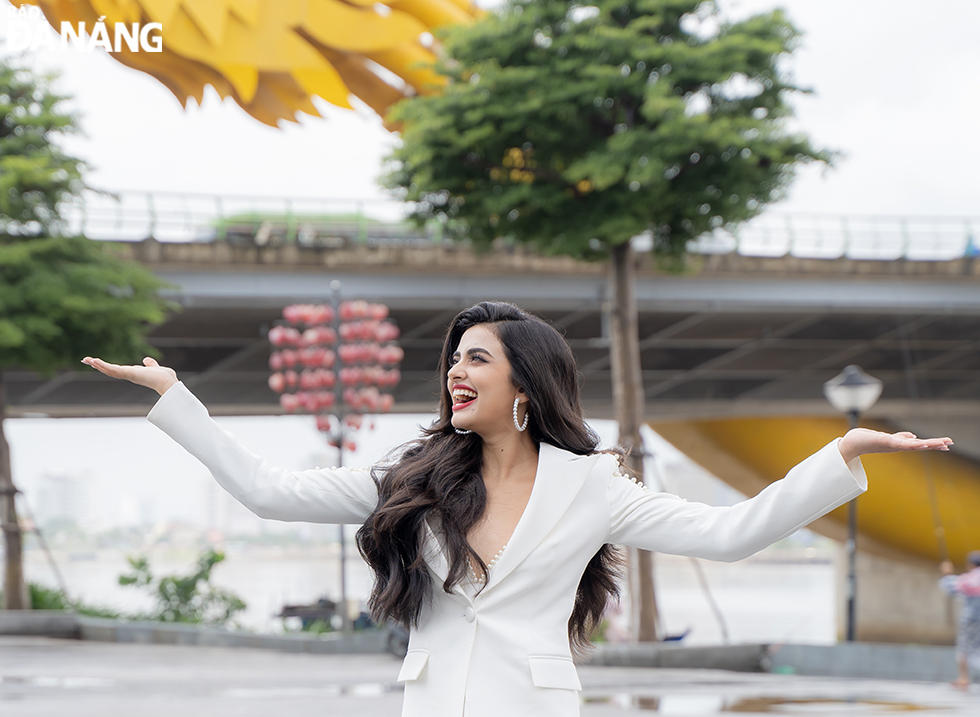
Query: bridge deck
(733, 335)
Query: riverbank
(778, 595)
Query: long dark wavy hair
(439, 475)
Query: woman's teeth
(462, 395)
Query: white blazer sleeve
(666, 523)
(341, 495)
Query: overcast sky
(897, 90)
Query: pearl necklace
(479, 578)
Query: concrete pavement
(45, 676)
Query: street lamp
(852, 392)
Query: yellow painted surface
(273, 57)
(895, 516)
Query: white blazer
(506, 651)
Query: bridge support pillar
(897, 601)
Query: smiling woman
(491, 536)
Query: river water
(763, 599)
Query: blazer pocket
(554, 671)
(412, 665)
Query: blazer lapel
(434, 554)
(560, 476)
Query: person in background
(968, 632)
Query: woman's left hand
(859, 441)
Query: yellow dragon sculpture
(273, 56)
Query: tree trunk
(629, 403)
(14, 588)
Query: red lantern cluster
(291, 336)
(370, 375)
(369, 330)
(351, 310)
(309, 314)
(309, 401)
(370, 399)
(319, 349)
(310, 357)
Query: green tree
(61, 297)
(574, 127)
(191, 598)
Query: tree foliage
(61, 297)
(575, 127)
(35, 173)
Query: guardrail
(262, 221)
(916, 238)
(241, 219)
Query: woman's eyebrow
(475, 350)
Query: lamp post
(852, 392)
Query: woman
(968, 631)
(491, 535)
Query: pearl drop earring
(527, 414)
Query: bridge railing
(261, 221)
(241, 219)
(917, 238)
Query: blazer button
(470, 614)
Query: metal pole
(344, 611)
(335, 287)
(851, 548)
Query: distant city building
(60, 499)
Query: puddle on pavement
(365, 689)
(825, 706)
(20, 687)
(706, 704)
(15, 687)
(68, 683)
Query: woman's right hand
(151, 374)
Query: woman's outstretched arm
(826, 480)
(340, 495)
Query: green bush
(186, 599)
(45, 598)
